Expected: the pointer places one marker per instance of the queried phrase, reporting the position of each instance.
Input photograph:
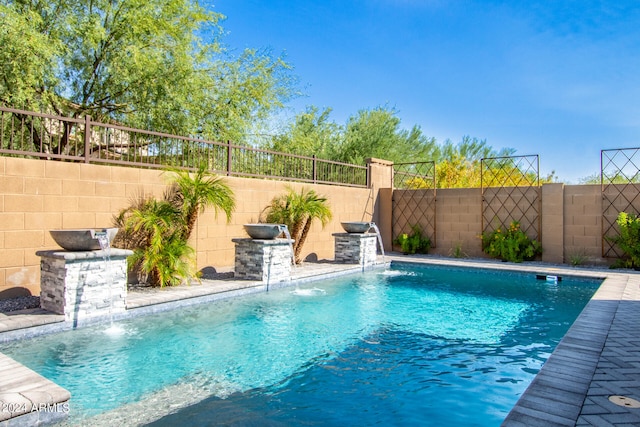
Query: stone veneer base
(265, 260)
(355, 248)
(83, 284)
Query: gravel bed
(19, 303)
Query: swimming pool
(405, 346)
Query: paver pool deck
(591, 379)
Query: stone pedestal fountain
(86, 279)
(356, 245)
(263, 256)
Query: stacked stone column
(82, 285)
(356, 248)
(264, 260)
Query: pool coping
(571, 389)
(27, 398)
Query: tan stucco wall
(37, 196)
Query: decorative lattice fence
(414, 199)
(620, 181)
(511, 192)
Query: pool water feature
(105, 245)
(379, 236)
(405, 346)
(285, 230)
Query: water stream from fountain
(105, 245)
(377, 230)
(304, 292)
(285, 230)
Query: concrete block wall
(504, 203)
(571, 222)
(583, 222)
(417, 210)
(37, 196)
(214, 234)
(458, 221)
(553, 222)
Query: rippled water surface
(409, 346)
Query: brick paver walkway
(617, 373)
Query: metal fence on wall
(414, 199)
(620, 181)
(36, 135)
(511, 192)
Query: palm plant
(298, 211)
(163, 256)
(193, 192)
(158, 230)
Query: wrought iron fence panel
(511, 192)
(36, 135)
(326, 172)
(620, 183)
(414, 199)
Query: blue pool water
(410, 346)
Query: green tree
(377, 133)
(631, 174)
(298, 211)
(26, 53)
(590, 179)
(152, 64)
(310, 133)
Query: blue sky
(558, 78)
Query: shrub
(457, 251)
(158, 230)
(628, 240)
(577, 258)
(413, 243)
(511, 245)
(161, 256)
